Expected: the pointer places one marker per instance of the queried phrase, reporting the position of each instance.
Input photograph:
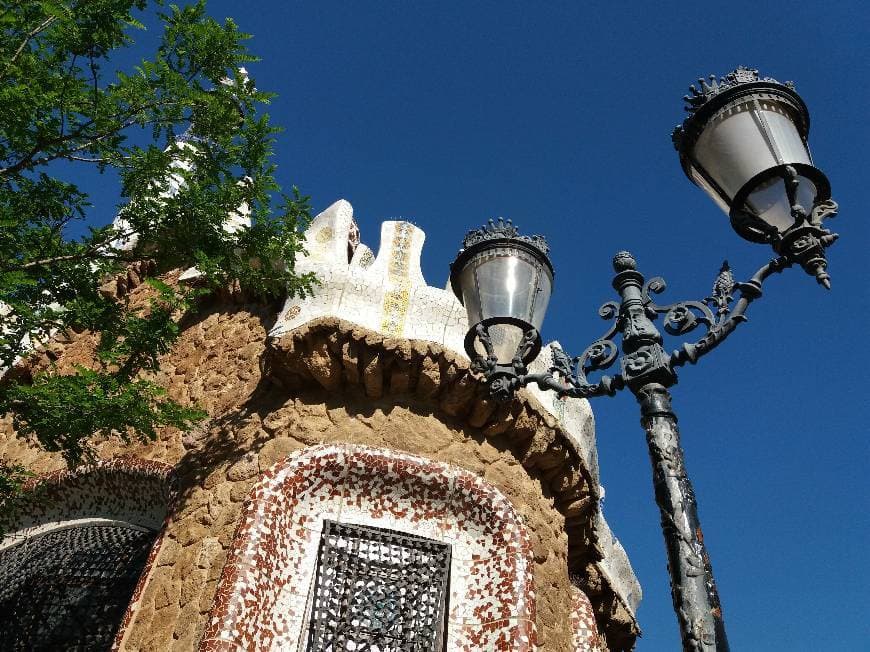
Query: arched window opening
(378, 589)
(77, 551)
(68, 589)
(341, 540)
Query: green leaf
(63, 105)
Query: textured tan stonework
(330, 381)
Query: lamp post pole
(646, 365)
(647, 373)
(693, 588)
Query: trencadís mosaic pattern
(586, 638)
(126, 496)
(263, 599)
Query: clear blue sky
(559, 116)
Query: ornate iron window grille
(68, 589)
(378, 590)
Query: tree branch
(97, 250)
(93, 160)
(28, 161)
(36, 30)
(59, 259)
(72, 64)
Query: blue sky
(559, 115)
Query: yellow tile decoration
(324, 235)
(397, 294)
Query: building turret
(353, 485)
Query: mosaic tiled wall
(385, 292)
(122, 490)
(583, 625)
(262, 596)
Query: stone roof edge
(337, 353)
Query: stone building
(352, 488)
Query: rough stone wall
(219, 470)
(253, 424)
(266, 399)
(215, 365)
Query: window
(377, 590)
(68, 589)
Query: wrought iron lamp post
(744, 143)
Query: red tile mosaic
(583, 627)
(263, 593)
(125, 489)
(505, 634)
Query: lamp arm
(568, 376)
(726, 319)
(719, 313)
(607, 386)
(640, 352)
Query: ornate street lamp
(504, 280)
(744, 143)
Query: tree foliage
(184, 132)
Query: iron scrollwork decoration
(503, 380)
(643, 357)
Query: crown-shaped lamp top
(697, 97)
(502, 229)
(712, 93)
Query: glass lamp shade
(737, 146)
(503, 278)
